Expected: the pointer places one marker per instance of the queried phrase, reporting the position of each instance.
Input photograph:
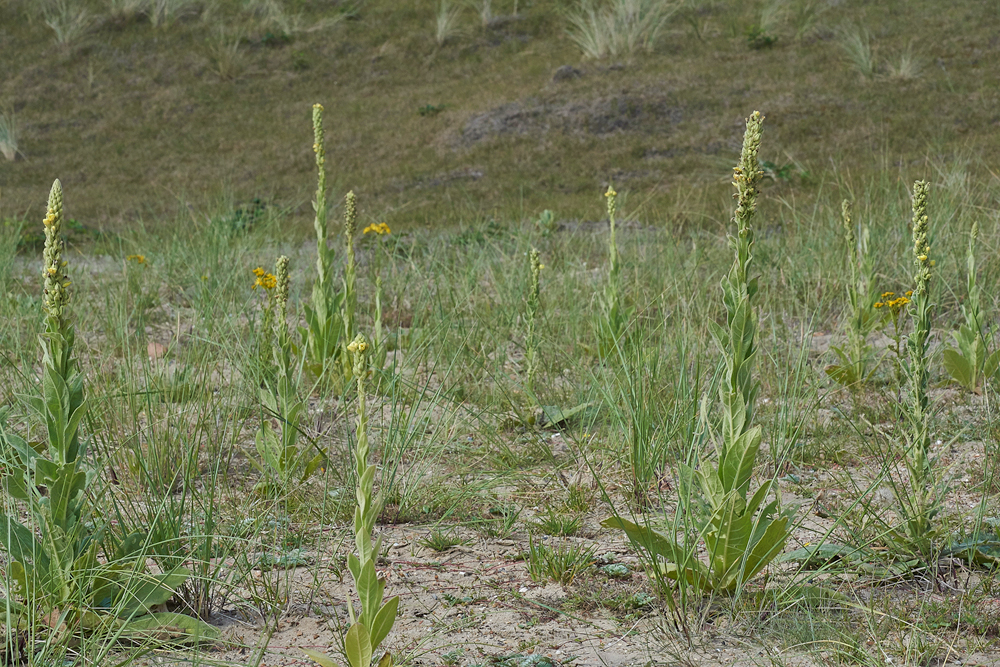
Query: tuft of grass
(9, 134)
(559, 564)
(484, 8)
(560, 525)
(856, 43)
(164, 13)
(909, 68)
(446, 22)
(225, 53)
(440, 541)
(620, 28)
(68, 20)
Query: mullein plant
(372, 624)
(324, 329)
(54, 565)
(349, 301)
(921, 495)
(741, 535)
(972, 361)
(614, 316)
(855, 368)
(282, 461)
(531, 316)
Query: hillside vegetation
(203, 109)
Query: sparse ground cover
(547, 440)
(212, 434)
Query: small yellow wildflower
(909, 293)
(379, 228)
(138, 259)
(266, 280)
(887, 295)
(879, 304)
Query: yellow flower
(879, 304)
(138, 259)
(49, 219)
(264, 279)
(887, 295)
(379, 228)
(909, 293)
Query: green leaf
(384, 620)
(820, 555)
(319, 658)
(959, 368)
(21, 544)
(136, 600)
(660, 546)
(556, 416)
(358, 646)
(737, 466)
(386, 660)
(991, 364)
(767, 549)
(171, 627)
(370, 589)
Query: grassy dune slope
(140, 121)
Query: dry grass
(9, 134)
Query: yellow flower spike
(55, 296)
(612, 201)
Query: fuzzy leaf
(358, 646)
(959, 368)
(319, 658)
(171, 627)
(153, 590)
(383, 622)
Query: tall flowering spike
(318, 135)
(322, 259)
(852, 240)
(747, 174)
(55, 296)
(281, 296)
(612, 243)
(536, 270)
(350, 216)
(921, 248)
